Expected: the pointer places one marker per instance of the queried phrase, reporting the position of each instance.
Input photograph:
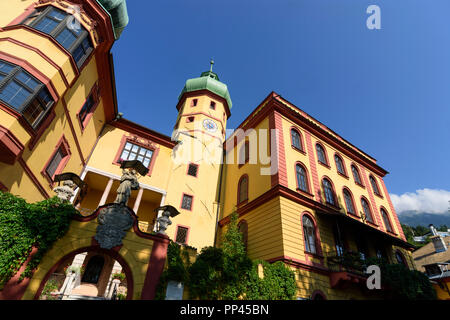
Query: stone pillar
(106, 193)
(138, 200)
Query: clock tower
(203, 109)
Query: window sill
(379, 195)
(314, 255)
(354, 215)
(372, 224)
(298, 150)
(305, 193)
(324, 164)
(360, 185)
(343, 175)
(240, 204)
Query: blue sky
(386, 91)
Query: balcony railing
(350, 262)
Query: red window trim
(187, 170)
(246, 154)
(359, 174)
(333, 190)
(134, 140)
(354, 214)
(192, 201)
(95, 92)
(370, 209)
(307, 193)
(187, 233)
(301, 150)
(389, 220)
(378, 187)
(62, 142)
(319, 253)
(344, 174)
(327, 165)
(239, 203)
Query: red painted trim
(196, 172)
(312, 165)
(155, 269)
(23, 15)
(275, 123)
(301, 150)
(72, 129)
(147, 145)
(308, 187)
(10, 146)
(42, 55)
(274, 102)
(192, 202)
(14, 289)
(388, 220)
(376, 214)
(240, 202)
(394, 213)
(374, 223)
(354, 214)
(143, 132)
(62, 142)
(187, 233)
(94, 248)
(318, 242)
(95, 93)
(33, 178)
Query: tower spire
(212, 63)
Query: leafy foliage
(228, 273)
(24, 226)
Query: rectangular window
(192, 170)
(181, 236)
(86, 109)
(212, 105)
(194, 102)
(132, 151)
(186, 202)
(55, 162)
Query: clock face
(209, 125)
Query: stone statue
(66, 191)
(128, 182)
(163, 222)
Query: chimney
(433, 230)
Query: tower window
(60, 26)
(182, 233)
(190, 119)
(194, 102)
(24, 93)
(186, 202)
(192, 170)
(212, 105)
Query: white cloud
(423, 200)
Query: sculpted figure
(66, 191)
(164, 222)
(128, 182)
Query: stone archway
(73, 267)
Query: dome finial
(211, 62)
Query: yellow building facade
(303, 194)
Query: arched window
(328, 191)
(243, 189)
(339, 164)
(349, 202)
(244, 153)
(93, 269)
(302, 179)
(356, 175)
(243, 229)
(338, 240)
(386, 221)
(400, 258)
(321, 154)
(296, 140)
(309, 234)
(374, 184)
(366, 208)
